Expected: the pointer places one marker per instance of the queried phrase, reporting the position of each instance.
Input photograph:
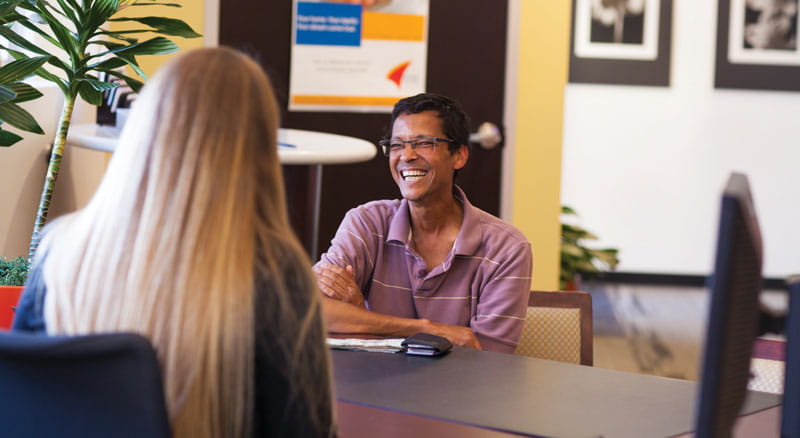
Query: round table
(302, 152)
(295, 146)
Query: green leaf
(15, 38)
(121, 36)
(99, 85)
(65, 39)
(89, 94)
(12, 17)
(6, 94)
(584, 266)
(109, 63)
(30, 26)
(8, 138)
(17, 117)
(131, 61)
(135, 84)
(171, 5)
(572, 250)
(166, 26)
(41, 72)
(100, 12)
(13, 272)
(606, 256)
(68, 11)
(24, 92)
(153, 46)
(7, 8)
(21, 69)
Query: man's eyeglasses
(422, 144)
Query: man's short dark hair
(454, 120)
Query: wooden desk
(477, 393)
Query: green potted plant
(12, 278)
(578, 260)
(82, 49)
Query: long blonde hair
(188, 220)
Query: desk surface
(297, 146)
(521, 395)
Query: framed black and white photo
(621, 42)
(757, 45)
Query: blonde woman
(187, 241)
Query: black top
(281, 411)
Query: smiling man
(430, 262)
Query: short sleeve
(355, 244)
(503, 301)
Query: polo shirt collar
(400, 228)
(468, 239)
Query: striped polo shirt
(483, 283)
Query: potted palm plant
(578, 260)
(76, 47)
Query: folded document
(390, 345)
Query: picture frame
(754, 52)
(629, 48)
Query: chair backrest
(790, 421)
(767, 365)
(558, 326)
(81, 386)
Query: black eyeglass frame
(386, 143)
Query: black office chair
(82, 386)
(790, 422)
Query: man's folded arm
(354, 245)
(342, 317)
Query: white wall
(645, 166)
(23, 166)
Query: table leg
(303, 187)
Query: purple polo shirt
(484, 282)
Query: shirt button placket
(421, 273)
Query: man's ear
(460, 157)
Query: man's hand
(462, 336)
(339, 283)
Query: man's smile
(412, 175)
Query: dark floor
(653, 329)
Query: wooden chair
(558, 326)
(767, 365)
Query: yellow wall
(191, 12)
(543, 63)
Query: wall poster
(757, 45)
(357, 58)
(621, 42)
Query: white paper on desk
(390, 345)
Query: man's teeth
(413, 175)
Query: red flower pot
(9, 295)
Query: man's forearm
(342, 317)
(346, 318)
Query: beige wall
(24, 165)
